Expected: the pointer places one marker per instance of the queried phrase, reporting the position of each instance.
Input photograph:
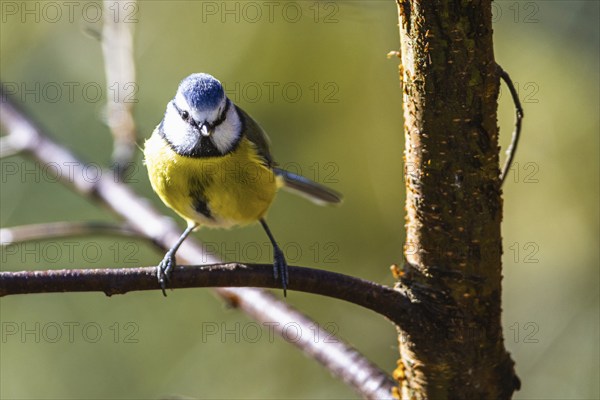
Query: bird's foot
(164, 271)
(280, 268)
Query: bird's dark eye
(185, 115)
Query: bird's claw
(164, 271)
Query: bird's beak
(204, 130)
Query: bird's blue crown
(202, 91)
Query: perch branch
(339, 358)
(381, 299)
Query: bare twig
(512, 149)
(117, 47)
(11, 145)
(381, 299)
(53, 230)
(6, 148)
(339, 358)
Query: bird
(210, 162)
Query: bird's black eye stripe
(222, 115)
(184, 114)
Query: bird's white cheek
(227, 134)
(179, 132)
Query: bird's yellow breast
(233, 189)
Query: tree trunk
(453, 252)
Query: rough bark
(454, 206)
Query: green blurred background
(343, 128)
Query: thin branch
(7, 149)
(379, 298)
(512, 149)
(339, 358)
(13, 143)
(54, 230)
(117, 47)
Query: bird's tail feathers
(313, 191)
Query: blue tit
(210, 162)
